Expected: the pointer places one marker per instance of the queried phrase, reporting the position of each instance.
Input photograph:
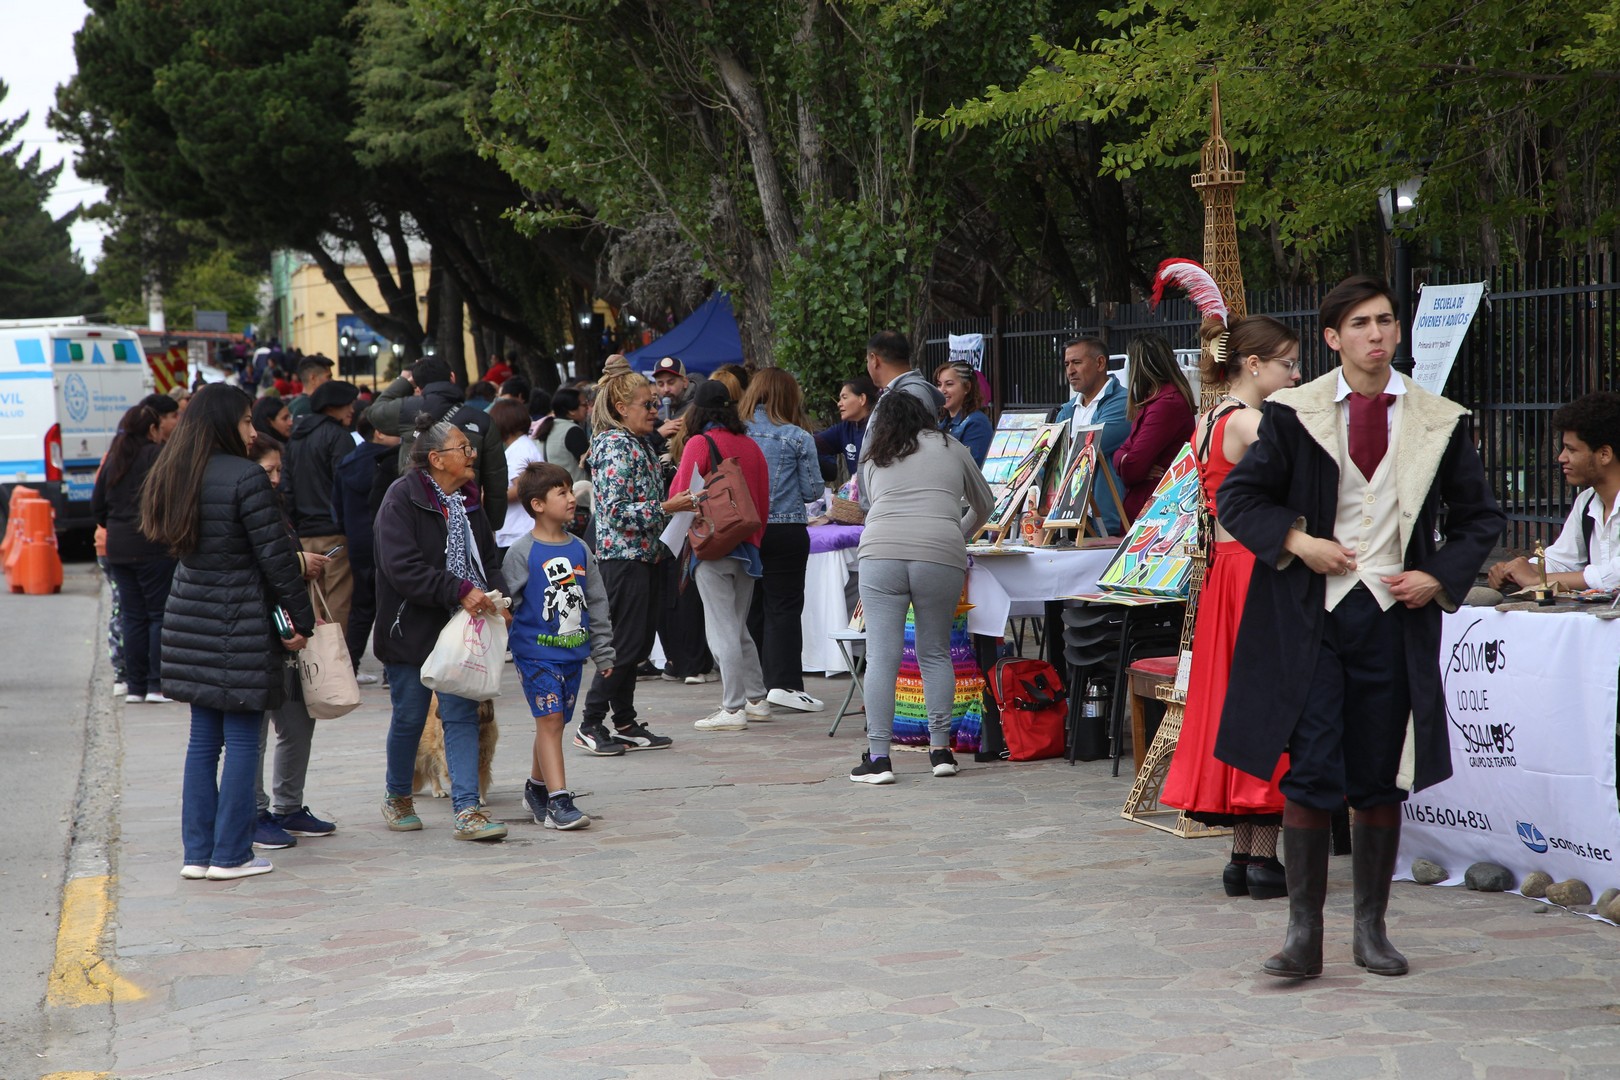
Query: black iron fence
(1546, 333)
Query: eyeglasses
(1291, 365)
(465, 449)
(650, 405)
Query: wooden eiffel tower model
(1217, 183)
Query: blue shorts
(550, 688)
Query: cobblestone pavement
(740, 909)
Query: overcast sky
(39, 59)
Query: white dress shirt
(1601, 568)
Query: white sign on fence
(1530, 710)
(1441, 321)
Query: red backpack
(1033, 704)
(726, 514)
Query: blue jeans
(460, 718)
(216, 805)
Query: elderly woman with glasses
(964, 416)
(435, 553)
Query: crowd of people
(1348, 513)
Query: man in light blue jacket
(1098, 399)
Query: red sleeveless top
(1212, 464)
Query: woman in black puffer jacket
(214, 509)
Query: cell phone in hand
(284, 624)
(332, 551)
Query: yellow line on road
(76, 1076)
(81, 975)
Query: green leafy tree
(778, 140)
(40, 273)
(1328, 101)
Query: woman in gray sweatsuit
(914, 481)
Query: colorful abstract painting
(1009, 499)
(1153, 560)
(1015, 434)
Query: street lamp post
(1393, 202)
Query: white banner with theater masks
(1439, 324)
(1530, 710)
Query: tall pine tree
(40, 274)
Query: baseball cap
(670, 364)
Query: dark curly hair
(895, 429)
(1594, 418)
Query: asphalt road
(46, 662)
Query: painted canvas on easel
(1072, 497)
(1009, 499)
(1015, 435)
(1153, 560)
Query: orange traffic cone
(38, 568)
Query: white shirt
(1601, 568)
(1084, 412)
(522, 451)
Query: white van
(64, 385)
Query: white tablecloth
(1002, 586)
(825, 609)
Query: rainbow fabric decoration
(967, 713)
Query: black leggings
(635, 590)
(774, 617)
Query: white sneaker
(120, 688)
(757, 710)
(366, 678)
(795, 699)
(193, 872)
(699, 680)
(155, 698)
(724, 720)
(257, 865)
(134, 699)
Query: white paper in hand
(674, 534)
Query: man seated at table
(1099, 398)
(1586, 554)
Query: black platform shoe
(1266, 879)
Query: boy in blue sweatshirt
(560, 615)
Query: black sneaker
(594, 739)
(637, 737)
(534, 797)
(649, 670)
(267, 834)
(944, 762)
(872, 770)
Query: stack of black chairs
(1100, 642)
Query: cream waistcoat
(1369, 518)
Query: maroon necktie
(1369, 431)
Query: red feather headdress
(1201, 290)
(1195, 281)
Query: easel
(1028, 474)
(1053, 526)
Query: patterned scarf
(458, 535)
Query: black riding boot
(1372, 860)
(1305, 863)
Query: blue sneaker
(561, 813)
(534, 797)
(268, 834)
(303, 823)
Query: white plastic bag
(468, 657)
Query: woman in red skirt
(1255, 356)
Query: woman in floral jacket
(631, 512)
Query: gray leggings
(727, 590)
(295, 730)
(888, 588)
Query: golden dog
(431, 767)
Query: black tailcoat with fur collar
(1448, 524)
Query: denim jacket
(790, 453)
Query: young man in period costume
(1356, 478)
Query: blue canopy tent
(703, 340)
